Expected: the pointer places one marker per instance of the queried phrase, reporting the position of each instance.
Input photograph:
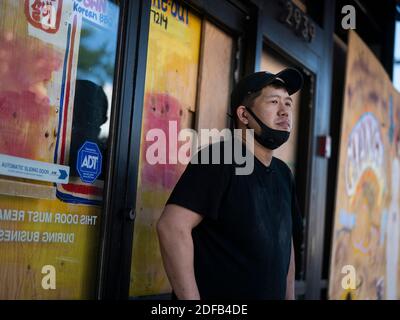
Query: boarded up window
(169, 105)
(215, 78)
(187, 85)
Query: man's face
(274, 108)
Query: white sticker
(32, 169)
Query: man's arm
(174, 230)
(290, 279)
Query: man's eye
(274, 101)
(288, 104)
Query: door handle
(130, 214)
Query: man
(224, 235)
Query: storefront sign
(96, 11)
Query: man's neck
(263, 154)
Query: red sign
(44, 14)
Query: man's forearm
(290, 279)
(177, 253)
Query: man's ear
(242, 115)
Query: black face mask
(269, 138)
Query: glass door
(56, 85)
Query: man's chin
(283, 129)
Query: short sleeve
(201, 188)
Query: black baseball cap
(291, 78)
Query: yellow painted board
(31, 71)
(170, 95)
(74, 259)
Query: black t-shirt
(242, 246)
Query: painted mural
(50, 198)
(366, 233)
(169, 105)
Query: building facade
(84, 83)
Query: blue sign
(88, 163)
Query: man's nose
(283, 110)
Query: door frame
(113, 274)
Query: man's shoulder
(281, 166)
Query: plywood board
(170, 97)
(366, 234)
(215, 76)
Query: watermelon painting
(160, 112)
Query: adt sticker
(89, 162)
